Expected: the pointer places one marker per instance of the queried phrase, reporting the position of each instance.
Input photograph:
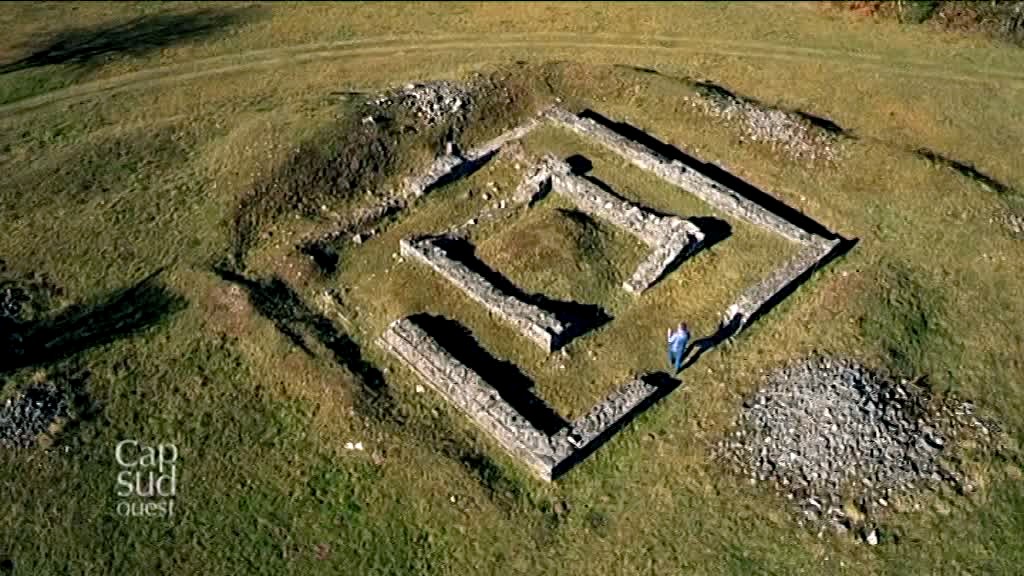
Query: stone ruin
(549, 451)
(670, 238)
(540, 326)
(546, 455)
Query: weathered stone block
(714, 193)
(546, 455)
(540, 326)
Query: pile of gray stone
(789, 131)
(1014, 225)
(834, 436)
(430, 103)
(24, 417)
(12, 301)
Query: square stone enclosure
(510, 418)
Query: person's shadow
(699, 347)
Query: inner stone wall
(670, 237)
(540, 326)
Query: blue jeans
(676, 352)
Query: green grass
(565, 254)
(98, 192)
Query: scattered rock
(357, 238)
(792, 132)
(431, 102)
(829, 432)
(1014, 224)
(26, 416)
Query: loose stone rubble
(538, 325)
(26, 416)
(431, 102)
(831, 434)
(547, 456)
(1014, 224)
(793, 133)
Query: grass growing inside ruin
(97, 193)
(564, 253)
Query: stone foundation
(714, 193)
(540, 326)
(670, 239)
(546, 456)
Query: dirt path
(275, 57)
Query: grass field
(131, 133)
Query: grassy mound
(563, 253)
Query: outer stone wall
(468, 392)
(452, 166)
(712, 192)
(547, 456)
(607, 414)
(758, 297)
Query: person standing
(677, 342)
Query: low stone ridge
(547, 456)
(540, 326)
(756, 299)
(717, 195)
(830, 433)
(787, 130)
